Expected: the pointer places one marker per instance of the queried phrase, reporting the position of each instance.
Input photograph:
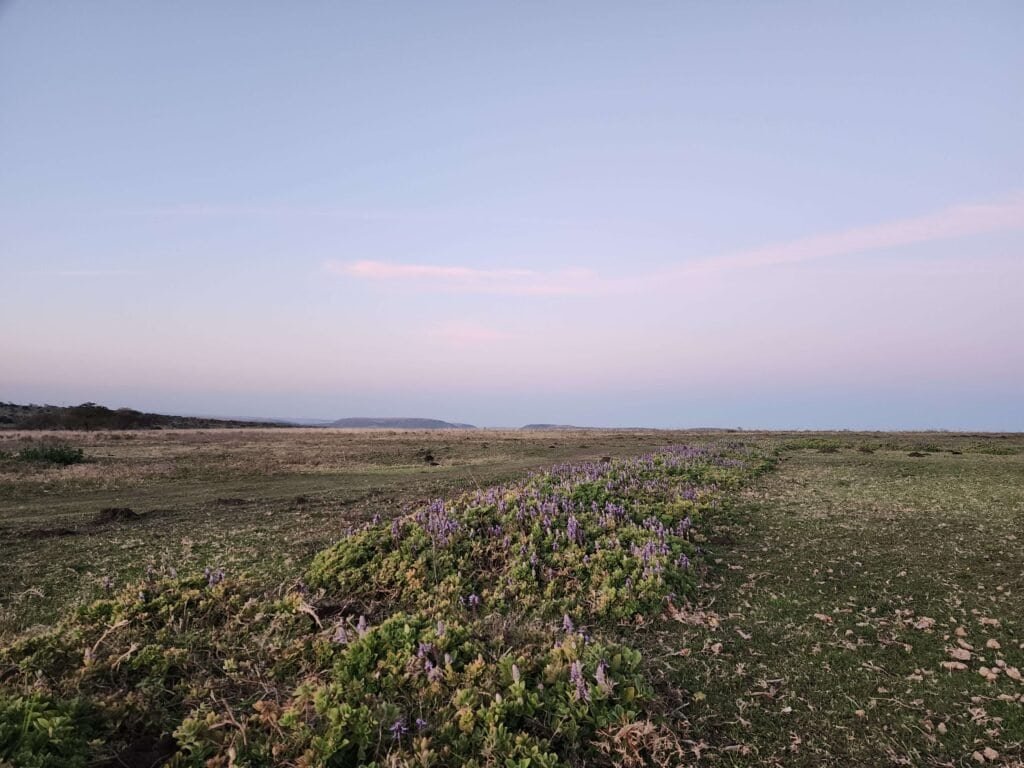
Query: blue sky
(664, 214)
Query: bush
(820, 444)
(37, 732)
(479, 631)
(57, 453)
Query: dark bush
(54, 453)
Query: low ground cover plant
(482, 630)
(52, 453)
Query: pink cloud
(950, 223)
(379, 270)
(465, 333)
(947, 224)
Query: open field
(849, 583)
(859, 603)
(236, 499)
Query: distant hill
(93, 416)
(361, 422)
(551, 427)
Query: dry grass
(860, 607)
(866, 608)
(263, 499)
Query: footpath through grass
(869, 610)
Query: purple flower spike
(398, 728)
(340, 636)
(582, 692)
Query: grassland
(235, 499)
(860, 599)
(861, 604)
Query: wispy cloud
(950, 223)
(522, 282)
(380, 270)
(469, 333)
(84, 272)
(947, 224)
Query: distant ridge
(93, 416)
(551, 427)
(363, 422)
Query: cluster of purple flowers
(398, 728)
(213, 577)
(608, 528)
(438, 524)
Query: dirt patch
(115, 515)
(46, 533)
(145, 752)
(230, 501)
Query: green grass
(839, 593)
(847, 582)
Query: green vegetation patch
(479, 631)
(52, 453)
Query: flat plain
(236, 499)
(861, 603)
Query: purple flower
(421, 724)
(572, 528)
(567, 624)
(582, 692)
(473, 601)
(398, 728)
(340, 636)
(362, 627)
(604, 683)
(434, 672)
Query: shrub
(54, 453)
(820, 444)
(445, 637)
(38, 732)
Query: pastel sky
(787, 214)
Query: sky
(735, 214)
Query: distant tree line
(90, 416)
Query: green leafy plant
(52, 453)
